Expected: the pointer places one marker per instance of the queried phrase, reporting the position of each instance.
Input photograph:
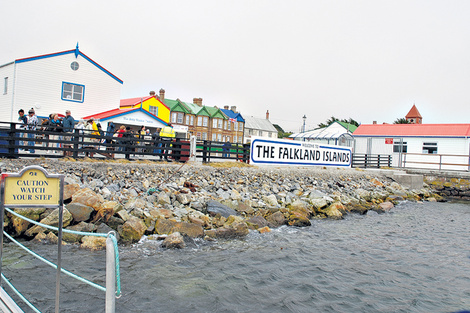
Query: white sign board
(286, 152)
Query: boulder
(132, 230)
(298, 220)
(318, 203)
(20, 225)
(235, 230)
(69, 190)
(276, 219)
(183, 198)
(80, 212)
(242, 207)
(214, 208)
(174, 241)
(93, 243)
(169, 227)
(263, 230)
(88, 198)
(256, 222)
(270, 200)
(81, 227)
(334, 211)
(386, 206)
(52, 220)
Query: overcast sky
(368, 60)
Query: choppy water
(414, 259)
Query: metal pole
(110, 276)
(59, 244)
(192, 149)
(2, 213)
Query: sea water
(415, 258)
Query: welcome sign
(282, 152)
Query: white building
(259, 127)
(53, 83)
(428, 146)
(337, 133)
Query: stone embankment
(451, 188)
(176, 203)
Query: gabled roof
(133, 101)
(413, 130)
(215, 112)
(177, 106)
(414, 113)
(103, 116)
(197, 109)
(347, 126)
(259, 123)
(333, 131)
(231, 114)
(75, 51)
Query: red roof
(133, 101)
(414, 113)
(414, 130)
(109, 113)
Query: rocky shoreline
(175, 202)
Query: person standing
(56, 126)
(23, 121)
(68, 123)
(167, 134)
(32, 123)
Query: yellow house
(150, 104)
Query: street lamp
(304, 118)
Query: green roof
(348, 126)
(215, 112)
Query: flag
(232, 120)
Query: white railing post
(192, 149)
(110, 276)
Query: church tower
(413, 116)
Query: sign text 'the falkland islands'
(277, 152)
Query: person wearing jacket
(167, 134)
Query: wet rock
(174, 241)
(386, 206)
(334, 211)
(52, 220)
(132, 230)
(93, 243)
(169, 227)
(256, 222)
(80, 227)
(276, 219)
(20, 225)
(214, 208)
(263, 230)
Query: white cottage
(428, 146)
(259, 127)
(53, 83)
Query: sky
(369, 60)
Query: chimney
(162, 94)
(233, 108)
(152, 93)
(197, 101)
(225, 107)
(267, 114)
(374, 122)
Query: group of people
(56, 129)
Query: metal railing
(113, 285)
(371, 160)
(459, 162)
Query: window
(180, 118)
(270, 134)
(400, 147)
(235, 126)
(240, 126)
(153, 110)
(234, 138)
(173, 117)
(228, 125)
(192, 120)
(73, 92)
(250, 131)
(187, 119)
(220, 123)
(74, 66)
(228, 138)
(225, 124)
(214, 123)
(430, 147)
(214, 137)
(204, 136)
(5, 86)
(260, 133)
(219, 137)
(205, 121)
(199, 121)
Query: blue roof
(231, 114)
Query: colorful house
(429, 146)
(236, 123)
(151, 104)
(413, 116)
(56, 82)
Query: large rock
(168, 227)
(299, 221)
(80, 212)
(70, 190)
(80, 227)
(334, 211)
(235, 230)
(214, 208)
(276, 219)
(132, 230)
(93, 243)
(386, 206)
(318, 203)
(88, 198)
(174, 241)
(256, 222)
(183, 198)
(51, 220)
(20, 225)
(270, 200)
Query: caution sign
(31, 187)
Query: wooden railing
(460, 162)
(371, 160)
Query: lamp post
(303, 127)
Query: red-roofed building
(412, 143)
(413, 116)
